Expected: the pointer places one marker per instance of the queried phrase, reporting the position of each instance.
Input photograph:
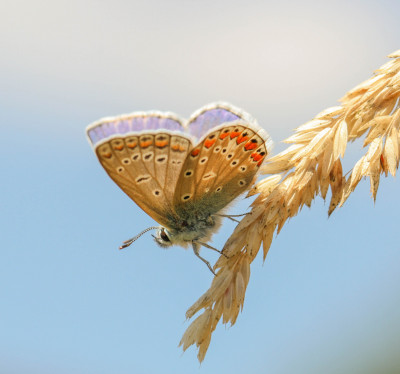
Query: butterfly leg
(209, 246)
(196, 252)
(231, 215)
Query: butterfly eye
(164, 236)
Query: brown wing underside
(146, 167)
(219, 169)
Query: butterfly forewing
(145, 164)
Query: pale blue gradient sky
(327, 298)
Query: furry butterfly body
(182, 174)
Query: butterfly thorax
(184, 231)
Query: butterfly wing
(143, 153)
(225, 161)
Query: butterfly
(182, 173)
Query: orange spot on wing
(224, 135)
(241, 139)
(195, 152)
(260, 162)
(178, 148)
(107, 155)
(209, 143)
(248, 146)
(161, 143)
(118, 147)
(131, 145)
(256, 157)
(146, 143)
(234, 134)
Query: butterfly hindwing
(221, 167)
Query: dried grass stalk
(308, 167)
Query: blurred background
(326, 300)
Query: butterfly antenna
(128, 242)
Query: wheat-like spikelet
(308, 167)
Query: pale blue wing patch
(139, 122)
(213, 115)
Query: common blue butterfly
(182, 173)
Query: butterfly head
(163, 237)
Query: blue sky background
(327, 298)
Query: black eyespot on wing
(143, 178)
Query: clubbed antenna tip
(128, 242)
